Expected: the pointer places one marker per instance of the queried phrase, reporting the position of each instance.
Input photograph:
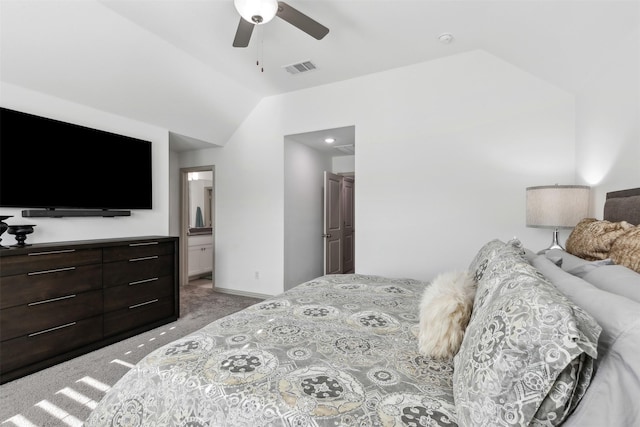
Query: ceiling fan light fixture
(256, 11)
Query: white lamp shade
(256, 11)
(557, 206)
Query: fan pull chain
(260, 47)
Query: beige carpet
(64, 395)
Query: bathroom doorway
(197, 226)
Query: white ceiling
(553, 39)
(344, 140)
(171, 63)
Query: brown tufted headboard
(623, 205)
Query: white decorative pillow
(445, 310)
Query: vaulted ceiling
(171, 63)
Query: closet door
(333, 224)
(348, 251)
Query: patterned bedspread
(336, 351)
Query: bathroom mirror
(200, 202)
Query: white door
(333, 225)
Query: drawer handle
(146, 258)
(51, 300)
(63, 251)
(143, 281)
(55, 270)
(143, 244)
(52, 329)
(144, 303)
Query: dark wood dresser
(61, 300)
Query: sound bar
(59, 213)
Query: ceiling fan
(259, 12)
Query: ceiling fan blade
(243, 33)
(301, 21)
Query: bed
(542, 347)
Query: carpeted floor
(64, 395)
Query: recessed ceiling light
(445, 38)
(329, 140)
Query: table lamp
(556, 206)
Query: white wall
(343, 164)
(445, 151)
(141, 222)
(303, 212)
(249, 204)
(608, 122)
(174, 193)
(444, 160)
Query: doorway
(197, 226)
(306, 157)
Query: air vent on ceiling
(300, 67)
(347, 149)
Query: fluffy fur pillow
(625, 250)
(445, 310)
(591, 239)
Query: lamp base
(554, 244)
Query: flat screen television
(46, 163)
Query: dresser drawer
(26, 350)
(118, 297)
(136, 269)
(48, 260)
(137, 250)
(53, 297)
(43, 315)
(138, 315)
(30, 287)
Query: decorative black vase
(3, 227)
(21, 231)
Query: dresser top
(85, 244)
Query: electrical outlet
(257, 275)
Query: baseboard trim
(241, 293)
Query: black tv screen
(46, 163)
